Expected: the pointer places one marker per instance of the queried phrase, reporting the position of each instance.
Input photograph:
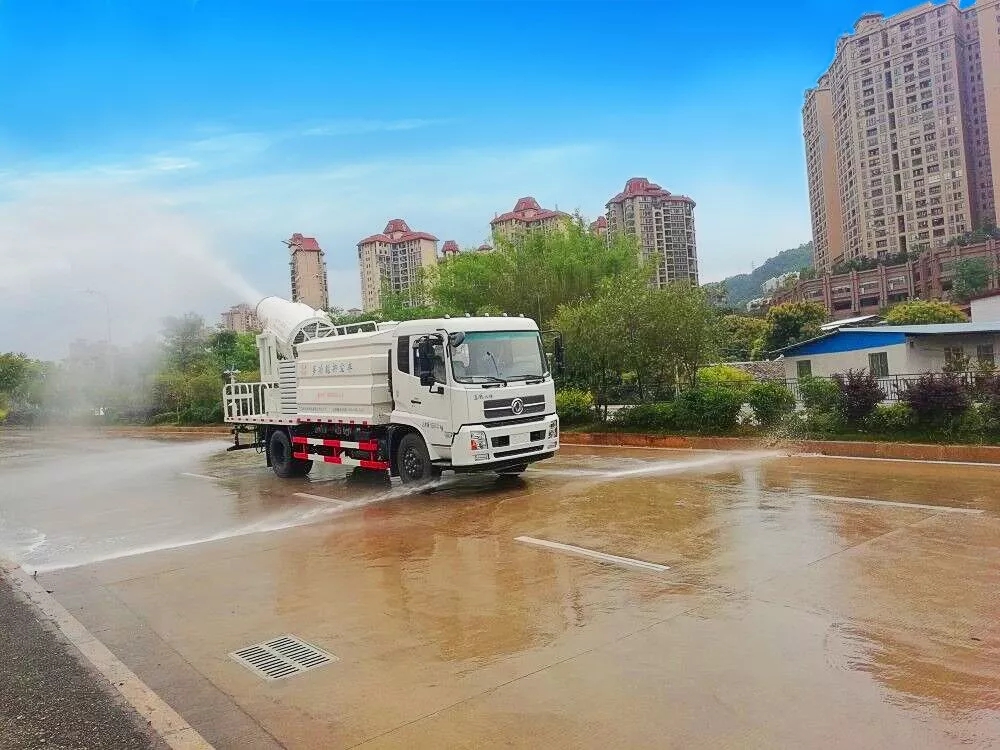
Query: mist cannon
(291, 323)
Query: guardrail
(244, 400)
(893, 385)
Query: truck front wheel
(413, 460)
(286, 466)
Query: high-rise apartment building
(662, 222)
(527, 215)
(898, 132)
(599, 226)
(240, 318)
(393, 260)
(308, 272)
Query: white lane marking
(893, 504)
(321, 498)
(615, 559)
(984, 464)
(198, 476)
(176, 733)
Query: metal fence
(893, 385)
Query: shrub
(717, 375)
(710, 408)
(936, 401)
(574, 406)
(646, 417)
(890, 419)
(860, 393)
(770, 402)
(820, 394)
(988, 393)
(822, 423)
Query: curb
(962, 454)
(161, 718)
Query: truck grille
(513, 407)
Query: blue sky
(200, 133)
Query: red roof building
(449, 249)
(664, 225)
(599, 226)
(307, 270)
(527, 214)
(393, 260)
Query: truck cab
(479, 391)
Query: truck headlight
(477, 441)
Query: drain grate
(281, 657)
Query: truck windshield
(485, 356)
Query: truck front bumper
(481, 447)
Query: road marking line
(893, 504)
(167, 723)
(604, 557)
(198, 476)
(321, 498)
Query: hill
(746, 286)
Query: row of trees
(177, 378)
(625, 339)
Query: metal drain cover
(281, 657)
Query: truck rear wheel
(413, 460)
(286, 466)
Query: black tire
(279, 447)
(513, 471)
(413, 461)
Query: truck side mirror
(559, 354)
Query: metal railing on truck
(244, 400)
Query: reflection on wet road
(610, 598)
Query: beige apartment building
(393, 260)
(898, 132)
(662, 222)
(307, 269)
(527, 215)
(240, 318)
(449, 249)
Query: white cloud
(160, 248)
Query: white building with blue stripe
(893, 350)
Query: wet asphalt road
(611, 598)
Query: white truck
(414, 398)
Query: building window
(878, 364)
(804, 368)
(954, 356)
(984, 353)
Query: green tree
(660, 335)
(793, 322)
(741, 337)
(972, 275)
(186, 340)
(532, 273)
(919, 311)
(14, 372)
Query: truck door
(426, 407)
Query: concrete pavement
(802, 602)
